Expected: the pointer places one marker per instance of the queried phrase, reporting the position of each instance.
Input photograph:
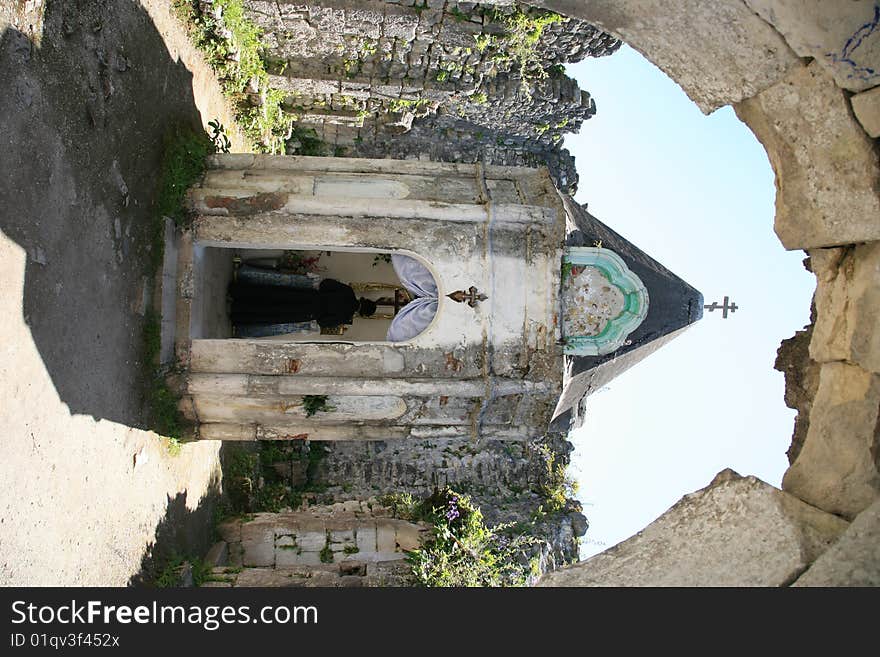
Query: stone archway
(804, 79)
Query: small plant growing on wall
(218, 137)
(462, 550)
(326, 554)
(315, 403)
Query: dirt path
(86, 93)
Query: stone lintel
(270, 386)
(330, 359)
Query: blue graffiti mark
(852, 44)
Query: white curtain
(415, 316)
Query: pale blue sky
(696, 193)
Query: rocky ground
(88, 88)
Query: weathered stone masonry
(364, 73)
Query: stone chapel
(527, 303)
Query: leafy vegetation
(418, 106)
(462, 550)
(557, 487)
(183, 163)
(232, 46)
(402, 505)
(170, 573)
(241, 473)
(458, 14)
(165, 417)
(254, 484)
(306, 142)
(326, 554)
(315, 404)
(519, 43)
(275, 496)
(219, 137)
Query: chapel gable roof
(673, 306)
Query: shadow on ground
(83, 110)
(183, 534)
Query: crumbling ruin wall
(449, 81)
(519, 482)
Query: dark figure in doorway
(332, 304)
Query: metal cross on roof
(724, 307)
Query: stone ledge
(738, 531)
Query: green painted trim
(635, 307)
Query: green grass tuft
(183, 164)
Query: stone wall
(509, 481)
(463, 135)
(346, 544)
(342, 536)
(362, 74)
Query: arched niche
(370, 273)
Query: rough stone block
(866, 107)
(349, 581)
(738, 531)
(848, 305)
(826, 167)
(408, 536)
(342, 536)
(854, 560)
(352, 568)
(718, 51)
(352, 506)
(836, 469)
(285, 557)
(376, 557)
(258, 543)
(841, 36)
(285, 541)
(386, 536)
(218, 555)
(322, 579)
(266, 577)
(801, 383)
(366, 538)
(312, 541)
